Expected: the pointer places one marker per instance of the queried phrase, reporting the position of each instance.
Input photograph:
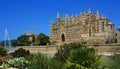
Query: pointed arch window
(103, 29)
(89, 32)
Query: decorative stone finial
(84, 13)
(72, 16)
(66, 15)
(51, 21)
(58, 15)
(103, 16)
(80, 13)
(89, 11)
(118, 28)
(97, 14)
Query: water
(7, 39)
(10, 47)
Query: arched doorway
(63, 37)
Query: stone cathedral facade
(86, 26)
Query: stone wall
(102, 50)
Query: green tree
(14, 42)
(2, 43)
(23, 40)
(43, 39)
(64, 50)
(3, 51)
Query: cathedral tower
(118, 34)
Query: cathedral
(85, 26)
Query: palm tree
(83, 58)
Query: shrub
(64, 50)
(21, 53)
(20, 63)
(107, 42)
(3, 51)
(76, 56)
(3, 58)
(83, 58)
(116, 61)
(42, 61)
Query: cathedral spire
(58, 15)
(66, 15)
(51, 21)
(84, 13)
(103, 16)
(80, 13)
(51, 24)
(118, 28)
(72, 16)
(97, 14)
(89, 11)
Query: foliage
(20, 63)
(14, 42)
(42, 61)
(111, 41)
(76, 56)
(107, 63)
(116, 59)
(3, 51)
(21, 53)
(107, 42)
(3, 58)
(111, 62)
(55, 64)
(2, 43)
(82, 58)
(64, 50)
(23, 40)
(44, 39)
(84, 42)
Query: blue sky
(20, 16)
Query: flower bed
(20, 63)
